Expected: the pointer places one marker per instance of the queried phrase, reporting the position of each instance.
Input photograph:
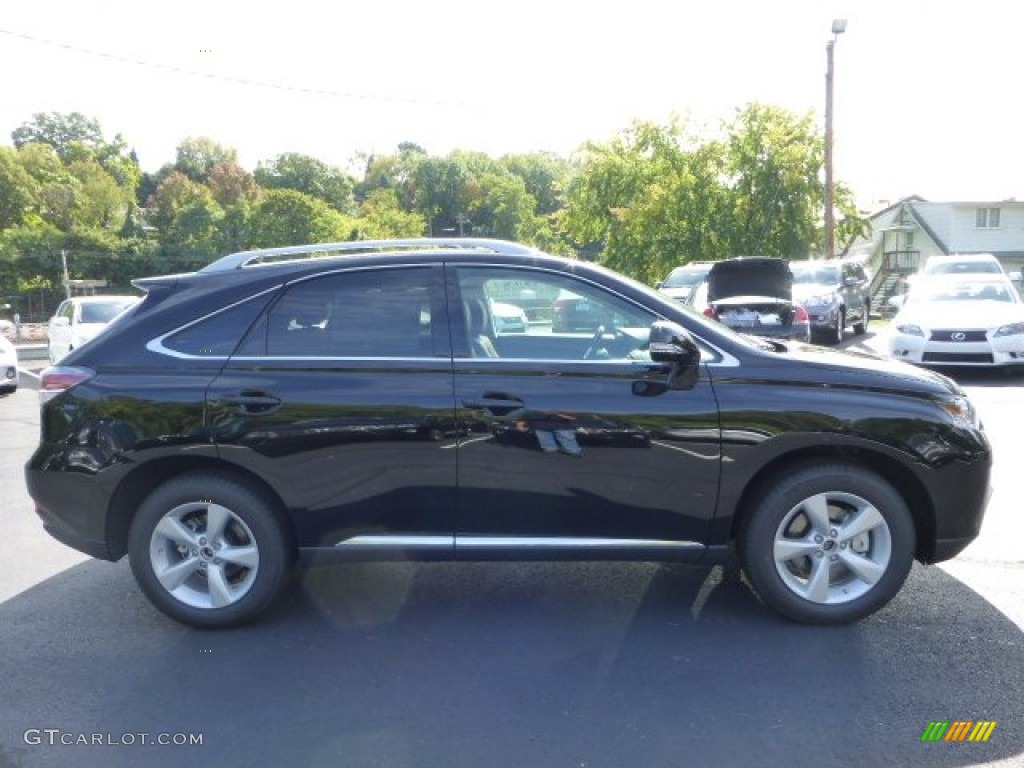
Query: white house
(906, 233)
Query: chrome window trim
(156, 345)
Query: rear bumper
(72, 508)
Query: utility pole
(838, 27)
(67, 280)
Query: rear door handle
(487, 403)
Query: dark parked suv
(353, 401)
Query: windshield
(962, 267)
(103, 312)
(812, 273)
(960, 291)
(681, 277)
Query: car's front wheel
(835, 334)
(862, 327)
(209, 550)
(828, 544)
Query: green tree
(102, 202)
(288, 217)
(196, 157)
(381, 216)
(18, 190)
(310, 176)
(60, 131)
(175, 193)
(544, 174)
(773, 161)
(231, 184)
(658, 196)
(395, 172)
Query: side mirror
(657, 285)
(61, 322)
(672, 344)
(897, 301)
(1015, 276)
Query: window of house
(986, 218)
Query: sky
(928, 94)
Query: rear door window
(375, 313)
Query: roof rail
(326, 250)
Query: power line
(348, 96)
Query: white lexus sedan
(960, 320)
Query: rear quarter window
(217, 335)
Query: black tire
(186, 553)
(862, 327)
(835, 335)
(782, 550)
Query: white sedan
(80, 319)
(508, 318)
(965, 320)
(8, 366)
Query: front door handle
(495, 403)
(249, 402)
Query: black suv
(836, 294)
(353, 401)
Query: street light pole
(838, 27)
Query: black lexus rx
(355, 401)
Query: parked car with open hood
(754, 295)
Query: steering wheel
(595, 344)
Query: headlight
(910, 329)
(1012, 329)
(961, 411)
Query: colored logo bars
(958, 730)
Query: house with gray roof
(903, 236)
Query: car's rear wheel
(828, 544)
(209, 551)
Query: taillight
(800, 315)
(57, 379)
(709, 311)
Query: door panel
(570, 448)
(329, 402)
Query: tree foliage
(650, 198)
(60, 131)
(659, 196)
(310, 176)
